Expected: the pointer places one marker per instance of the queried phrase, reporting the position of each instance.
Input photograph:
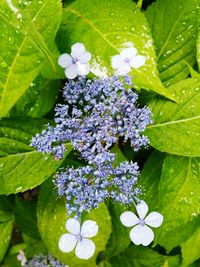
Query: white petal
(123, 69)
(82, 69)
(154, 219)
(116, 61)
(73, 226)
(85, 57)
(65, 60)
(71, 71)
(77, 49)
(89, 228)
(85, 249)
(129, 219)
(142, 209)
(137, 61)
(129, 52)
(141, 235)
(67, 242)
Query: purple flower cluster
(86, 187)
(96, 115)
(44, 261)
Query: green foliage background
(167, 33)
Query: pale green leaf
(39, 98)
(179, 190)
(174, 27)
(23, 168)
(176, 125)
(51, 222)
(190, 255)
(194, 74)
(27, 45)
(198, 51)
(104, 27)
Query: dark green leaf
(11, 261)
(5, 216)
(138, 256)
(119, 238)
(6, 209)
(104, 264)
(34, 246)
(25, 217)
(150, 177)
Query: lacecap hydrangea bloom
(141, 233)
(97, 115)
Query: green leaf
(150, 177)
(194, 74)
(27, 45)
(34, 246)
(5, 216)
(174, 27)
(198, 51)
(104, 27)
(190, 255)
(173, 261)
(179, 190)
(138, 256)
(11, 261)
(119, 238)
(39, 98)
(6, 209)
(16, 248)
(104, 264)
(28, 223)
(51, 222)
(177, 124)
(5, 236)
(23, 168)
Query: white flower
(78, 238)
(141, 233)
(22, 258)
(126, 60)
(77, 63)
